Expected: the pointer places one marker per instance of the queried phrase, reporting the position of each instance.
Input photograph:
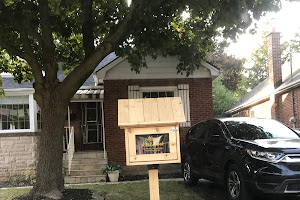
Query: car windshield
(259, 129)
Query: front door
(92, 126)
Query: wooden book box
(151, 129)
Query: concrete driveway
(211, 191)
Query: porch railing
(69, 145)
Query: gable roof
(263, 91)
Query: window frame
(159, 89)
(32, 117)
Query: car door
(198, 146)
(216, 148)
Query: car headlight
(266, 156)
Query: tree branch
(87, 27)
(31, 59)
(79, 75)
(48, 47)
(12, 51)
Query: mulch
(69, 194)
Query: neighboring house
(92, 115)
(278, 96)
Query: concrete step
(90, 172)
(89, 161)
(85, 179)
(88, 154)
(87, 166)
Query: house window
(158, 92)
(14, 113)
(182, 90)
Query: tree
(223, 98)
(259, 71)
(259, 57)
(37, 34)
(230, 66)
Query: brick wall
(243, 113)
(201, 108)
(17, 155)
(286, 110)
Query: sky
(286, 21)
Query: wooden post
(153, 182)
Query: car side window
(215, 132)
(201, 131)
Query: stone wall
(18, 154)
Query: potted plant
(113, 171)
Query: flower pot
(113, 176)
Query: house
(91, 127)
(278, 96)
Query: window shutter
(183, 92)
(133, 92)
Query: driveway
(211, 191)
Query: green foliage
(231, 67)
(111, 167)
(157, 29)
(21, 179)
(223, 98)
(259, 71)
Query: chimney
(274, 59)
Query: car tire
(235, 184)
(188, 177)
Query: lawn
(169, 190)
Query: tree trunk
(49, 180)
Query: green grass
(8, 194)
(169, 190)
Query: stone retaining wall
(18, 154)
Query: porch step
(89, 161)
(90, 172)
(86, 167)
(85, 179)
(88, 154)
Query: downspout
(293, 120)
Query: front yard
(169, 190)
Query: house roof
(263, 91)
(9, 83)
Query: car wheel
(235, 184)
(188, 177)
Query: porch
(82, 166)
(84, 137)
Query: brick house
(278, 96)
(92, 119)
